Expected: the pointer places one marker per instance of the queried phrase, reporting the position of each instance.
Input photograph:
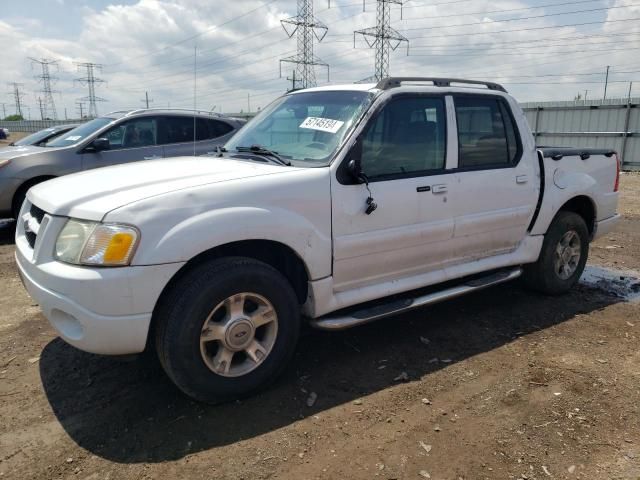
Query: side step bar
(393, 307)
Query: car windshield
(34, 138)
(80, 133)
(305, 127)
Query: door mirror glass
(100, 144)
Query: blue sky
(534, 47)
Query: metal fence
(613, 123)
(31, 126)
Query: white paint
(322, 124)
(624, 284)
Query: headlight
(92, 243)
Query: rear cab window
(487, 135)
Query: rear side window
(486, 133)
(207, 129)
(178, 129)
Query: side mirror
(353, 167)
(100, 144)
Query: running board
(393, 307)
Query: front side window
(134, 133)
(305, 127)
(408, 136)
(486, 133)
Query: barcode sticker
(322, 124)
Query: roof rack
(391, 82)
(160, 109)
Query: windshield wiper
(260, 150)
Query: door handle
(152, 157)
(522, 179)
(440, 188)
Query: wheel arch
(276, 254)
(583, 206)
(24, 187)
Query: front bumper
(98, 310)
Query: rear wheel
(563, 256)
(227, 328)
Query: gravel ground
(501, 384)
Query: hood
(92, 194)
(7, 153)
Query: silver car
(117, 137)
(41, 137)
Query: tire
(553, 274)
(21, 194)
(229, 295)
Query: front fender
(206, 230)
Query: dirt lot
(501, 384)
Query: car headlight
(82, 242)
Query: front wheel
(227, 328)
(563, 256)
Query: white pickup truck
(335, 205)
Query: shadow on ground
(129, 412)
(7, 232)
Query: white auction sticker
(322, 124)
(74, 138)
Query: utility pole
(248, 103)
(45, 78)
(4, 111)
(306, 26)
(65, 113)
(90, 80)
(382, 37)
(606, 82)
(146, 99)
(17, 96)
(585, 95)
(42, 108)
(80, 106)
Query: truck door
(404, 156)
(496, 186)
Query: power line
(522, 18)
(382, 37)
(525, 29)
(197, 35)
(306, 27)
(90, 80)
(48, 106)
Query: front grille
(31, 238)
(37, 213)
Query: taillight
(617, 182)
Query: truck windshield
(80, 133)
(305, 127)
